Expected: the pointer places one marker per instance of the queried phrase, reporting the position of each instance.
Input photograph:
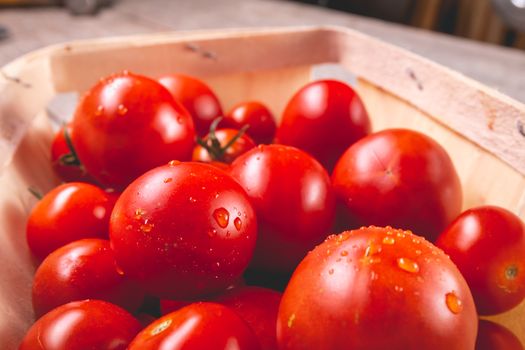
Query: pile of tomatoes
(180, 226)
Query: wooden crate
(483, 130)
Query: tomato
(377, 288)
(88, 324)
(400, 178)
(492, 336)
(223, 145)
(293, 198)
(183, 230)
(197, 326)
(67, 213)
(83, 269)
(324, 118)
(258, 307)
(255, 114)
(127, 124)
(488, 246)
(197, 97)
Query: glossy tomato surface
(488, 245)
(260, 119)
(198, 326)
(83, 269)
(293, 198)
(493, 336)
(183, 230)
(128, 124)
(197, 97)
(63, 159)
(377, 288)
(400, 178)
(89, 324)
(324, 118)
(67, 213)
(224, 150)
(258, 307)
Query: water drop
(146, 227)
(99, 111)
(161, 327)
(344, 253)
(172, 163)
(238, 223)
(290, 320)
(331, 271)
(119, 270)
(454, 304)
(122, 110)
(398, 288)
(372, 249)
(222, 217)
(192, 199)
(389, 240)
(408, 265)
(418, 252)
(138, 213)
(212, 232)
(168, 179)
(374, 276)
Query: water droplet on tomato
(344, 253)
(161, 327)
(119, 270)
(331, 271)
(146, 227)
(138, 213)
(238, 223)
(99, 111)
(408, 265)
(168, 179)
(290, 320)
(389, 240)
(398, 289)
(222, 217)
(212, 232)
(172, 163)
(192, 199)
(122, 110)
(418, 252)
(454, 304)
(372, 249)
(374, 276)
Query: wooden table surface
(31, 28)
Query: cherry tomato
(68, 213)
(197, 97)
(492, 336)
(64, 160)
(128, 124)
(83, 269)
(255, 114)
(223, 145)
(400, 178)
(195, 327)
(183, 230)
(293, 198)
(488, 246)
(88, 324)
(377, 288)
(324, 118)
(258, 307)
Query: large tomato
(183, 230)
(400, 178)
(324, 118)
(127, 124)
(375, 289)
(293, 198)
(488, 246)
(492, 336)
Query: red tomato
(219, 146)
(183, 230)
(377, 288)
(68, 213)
(257, 116)
(197, 97)
(196, 327)
(324, 118)
(84, 269)
(88, 324)
(258, 307)
(492, 336)
(293, 198)
(127, 124)
(400, 178)
(488, 246)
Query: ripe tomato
(400, 178)
(258, 308)
(488, 246)
(377, 288)
(127, 124)
(83, 269)
(197, 97)
(324, 118)
(492, 336)
(183, 230)
(88, 324)
(293, 198)
(195, 327)
(223, 145)
(257, 116)
(68, 213)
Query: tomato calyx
(212, 144)
(35, 192)
(71, 158)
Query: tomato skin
(197, 326)
(197, 97)
(183, 230)
(258, 307)
(488, 246)
(128, 124)
(257, 116)
(68, 213)
(240, 146)
(324, 118)
(362, 296)
(493, 336)
(293, 198)
(88, 324)
(83, 269)
(400, 178)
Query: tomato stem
(36, 193)
(212, 144)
